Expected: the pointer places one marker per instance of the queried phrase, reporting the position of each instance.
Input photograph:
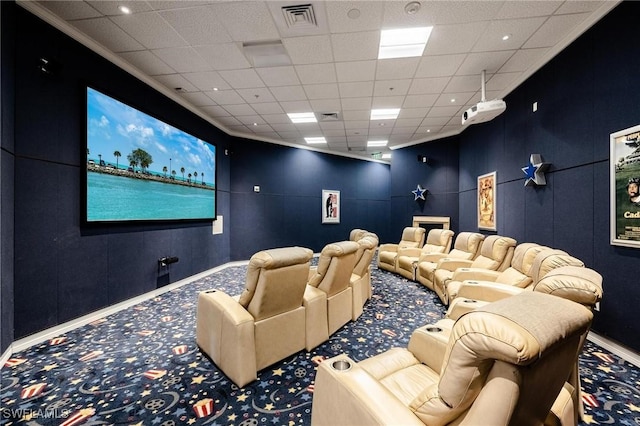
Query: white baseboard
(34, 339)
(613, 347)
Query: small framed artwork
(487, 201)
(330, 206)
(624, 162)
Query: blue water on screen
(116, 198)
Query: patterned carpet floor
(141, 366)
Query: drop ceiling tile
(250, 119)
(307, 128)
(335, 134)
(276, 119)
(456, 12)
(150, 30)
(458, 99)
(108, 34)
(325, 104)
(225, 56)
(407, 131)
(376, 131)
(387, 102)
(519, 31)
(316, 73)
(350, 104)
(256, 95)
(342, 15)
(523, 59)
(578, 6)
(421, 86)
(356, 71)
(356, 90)
(198, 99)
(278, 76)
(527, 8)
(322, 91)
(420, 101)
(309, 50)
(489, 61)
(447, 112)
(355, 46)
(239, 109)
(242, 79)
(182, 59)
(229, 121)
(111, 8)
(176, 4)
(147, 62)
(439, 65)
(413, 113)
(268, 108)
(554, 30)
(283, 127)
(357, 125)
(360, 115)
(391, 87)
(450, 39)
(331, 125)
(397, 68)
(174, 81)
(408, 122)
(206, 80)
(289, 93)
(395, 16)
(296, 106)
(465, 83)
(246, 20)
(225, 97)
(266, 132)
(197, 25)
(71, 10)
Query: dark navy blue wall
(62, 270)
(587, 92)
(439, 176)
(287, 210)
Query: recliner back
(366, 250)
(276, 281)
(523, 257)
(549, 260)
(412, 237)
(495, 254)
(438, 241)
(467, 245)
(335, 266)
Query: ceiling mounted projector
(483, 110)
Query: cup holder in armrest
(341, 365)
(470, 301)
(210, 291)
(433, 329)
(472, 282)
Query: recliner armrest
(409, 251)
(432, 257)
(429, 343)
(487, 291)
(388, 247)
(478, 274)
(353, 396)
(451, 264)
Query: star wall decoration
(418, 193)
(535, 171)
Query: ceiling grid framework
(195, 51)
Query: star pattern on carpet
(535, 171)
(418, 193)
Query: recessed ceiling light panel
(377, 143)
(315, 140)
(302, 117)
(385, 114)
(403, 42)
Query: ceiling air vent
(299, 16)
(357, 149)
(328, 116)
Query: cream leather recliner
(387, 253)
(503, 365)
(467, 246)
(495, 254)
(263, 325)
(360, 280)
(328, 298)
(572, 282)
(470, 293)
(438, 241)
(517, 274)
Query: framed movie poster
(330, 206)
(487, 201)
(624, 162)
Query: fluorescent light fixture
(377, 143)
(386, 156)
(302, 117)
(403, 42)
(314, 140)
(385, 114)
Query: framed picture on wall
(330, 206)
(624, 162)
(487, 201)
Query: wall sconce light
(47, 66)
(423, 159)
